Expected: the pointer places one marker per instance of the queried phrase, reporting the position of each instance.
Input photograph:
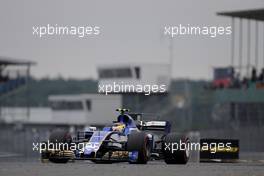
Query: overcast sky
(131, 31)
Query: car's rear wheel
(44, 156)
(59, 160)
(176, 148)
(58, 137)
(138, 142)
(102, 161)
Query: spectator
(236, 81)
(245, 83)
(254, 75)
(261, 76)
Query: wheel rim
(147, 150)
(187, 151)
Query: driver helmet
(118, 127)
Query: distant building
(134, 74)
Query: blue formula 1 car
(130, 139)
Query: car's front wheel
(138, 146)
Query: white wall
(19, 114)
(102, 109)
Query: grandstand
(14, 74)
(246, 68)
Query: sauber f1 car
(130, 139)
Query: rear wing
(150, 122)
(163, 126)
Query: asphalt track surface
(153, 168)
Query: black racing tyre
(60, 136)
(58, 160)
(102, 161)
(180, 155)
(138, 141)
(44, 156)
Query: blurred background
(215, 85)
